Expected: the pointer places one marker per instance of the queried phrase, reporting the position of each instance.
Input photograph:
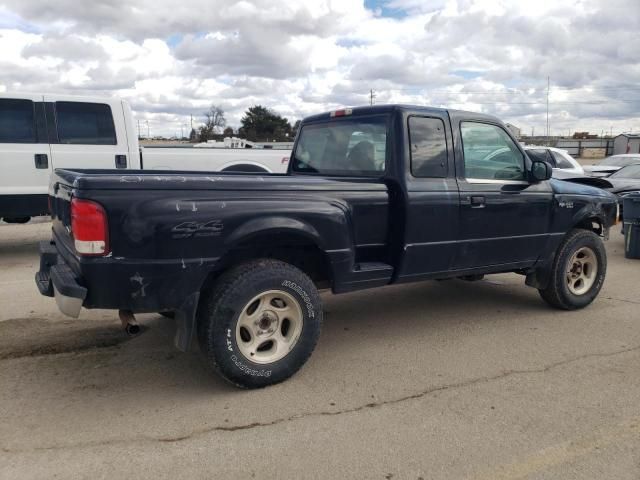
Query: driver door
(504, 219)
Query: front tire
(259, 323)
(578, 271)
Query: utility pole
(138, 128)
(191, 122)
(533, 129)
(548, 84)
(372, 96)
(181, 132)
(148, 134)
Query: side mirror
(540, 171)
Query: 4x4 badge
(197, 229)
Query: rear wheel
(578, 271)
(260, 323)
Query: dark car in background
(625, 181)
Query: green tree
(262, 124)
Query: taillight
(89, 227)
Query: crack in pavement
(623, 300)
(248, 426)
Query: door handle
(477, 202)
(41, 160)
(121, 161)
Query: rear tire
(259, 323)
(578, 271)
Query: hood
(600, 168)
(623, 184)
(566, 187)
(599, 182)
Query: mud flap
(186, 322)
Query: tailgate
(60, 192)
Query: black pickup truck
(373, 196)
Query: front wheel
(578, 271)
(260, 323)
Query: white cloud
(173, 59)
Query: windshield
(631, 171)
(618, 161)
(354, 146)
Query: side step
(366, 275)
(373, 267)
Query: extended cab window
(354, 146)
(85, 123)
(428, 147)
(16, 121)
(490, 154)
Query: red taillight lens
(89, 227)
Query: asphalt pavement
(434, 380)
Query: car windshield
(350, 146)
(619, 161)
(631, 171)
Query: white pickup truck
(41, 132)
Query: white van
(41, 132)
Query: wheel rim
(582, 271)
(269, 326)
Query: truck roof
(388, 108)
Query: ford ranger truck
(373, 196)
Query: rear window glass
(618, 161)
(85, 123)
(354, 146)
(561, 162)
(428, 147)
(16, 121)
(630, 171)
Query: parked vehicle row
(612, 164)
(373, 196)
(39, 133)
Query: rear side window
(354, 146)
(17, 121)
(541, 155)
(428, 147)
(561, 162)
(85, 123)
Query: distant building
(584, 135)
(626, 143)
(515, 131)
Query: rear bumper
(56, 279)
(140, 286)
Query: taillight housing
(89, 227)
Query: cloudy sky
(171, 59)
